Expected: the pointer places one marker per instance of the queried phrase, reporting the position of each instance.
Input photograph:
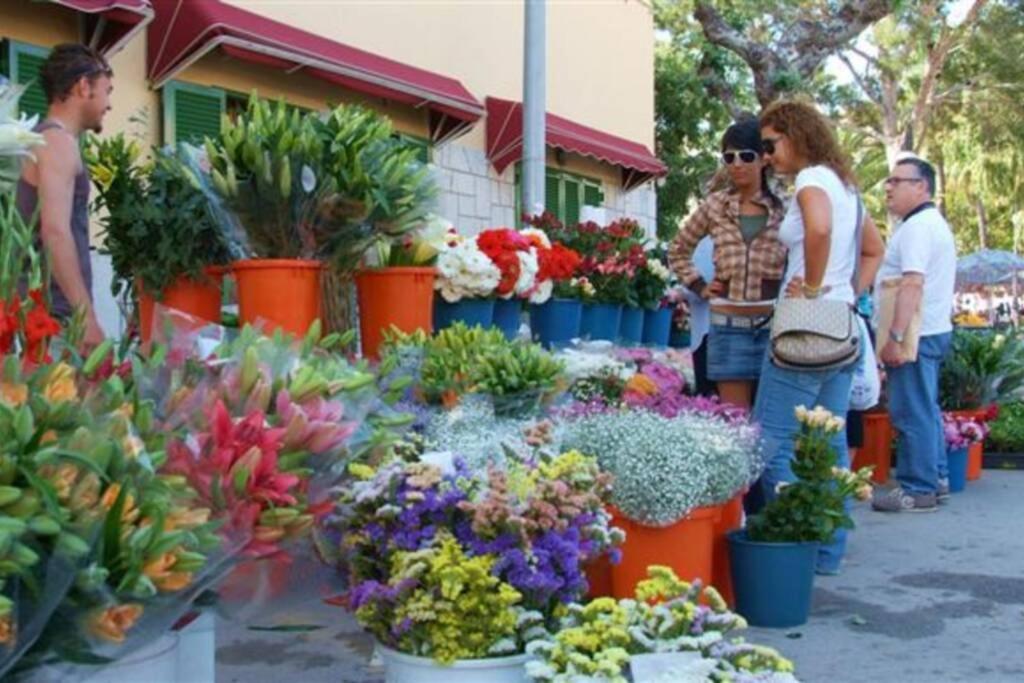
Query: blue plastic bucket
(507, 316)
(957, 469)
(600, 321)
(772, 581)
(470, 311)
(657, 327)
(631, 327)
(556, 323)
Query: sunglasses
(747, 156)
(768, 144)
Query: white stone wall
(474, 197)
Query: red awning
(183, 32)
(505, 143)
(110, 24)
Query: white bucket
(154, 663)
(197, 651)
(402, 668)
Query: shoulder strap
(858, 243)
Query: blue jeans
(915, 412)
(780, 392)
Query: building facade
(449, 75)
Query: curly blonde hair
(811, 135)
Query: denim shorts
(736, 353)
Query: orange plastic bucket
(199, 299)
(402, 297)
(877, 448)
(281, 293)
(685, 547)
(599, 577)
(975, 456)
(721, 572)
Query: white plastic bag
(866, 387)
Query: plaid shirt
(752, 272)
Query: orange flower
(86, 493)
(13, 394)
(112, 623)
(48, 437)
(160, 571)
(128, 513)
(63, 478)
(642, 384)
(187, 519)
(60, 385)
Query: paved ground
(923, 598)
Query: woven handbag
(818, 334)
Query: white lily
(16, 135)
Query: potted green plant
(158, 229)
(773, 559)
(1005, 444)
(307, 189)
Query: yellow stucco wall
(600, 52)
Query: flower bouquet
(108, 551)
(449, 564)
(682, 627)
(961, 435)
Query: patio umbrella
(988, 267)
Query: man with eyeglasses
(77, 81)
(922, 255)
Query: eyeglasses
(896, 180)
(747, 156)
(768, 144)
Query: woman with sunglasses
(819, 229)
(743, 223)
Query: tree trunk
(940, 191)
(979, 206)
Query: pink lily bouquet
(962, 432)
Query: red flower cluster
(500, 245)
(36, 323)
(559, 263)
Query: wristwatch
(896, 336)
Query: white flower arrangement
(665, 467)
(528, 268)
(16, 135)
(582, 363)
(658, 269)
(465, 272)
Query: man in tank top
(54, 187)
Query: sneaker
(898, 500)
(942, 495)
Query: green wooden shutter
(23, 63)
(192, 112)
(592, 195)
(571, 191)
(552, 194)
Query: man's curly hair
(66, 65)
(811, 135)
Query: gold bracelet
(810, 292)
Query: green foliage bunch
(982, 368)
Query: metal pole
(534, 106)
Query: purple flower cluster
(405, 506)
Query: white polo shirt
(923, 243)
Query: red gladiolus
(39, 327)
(9, 311)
